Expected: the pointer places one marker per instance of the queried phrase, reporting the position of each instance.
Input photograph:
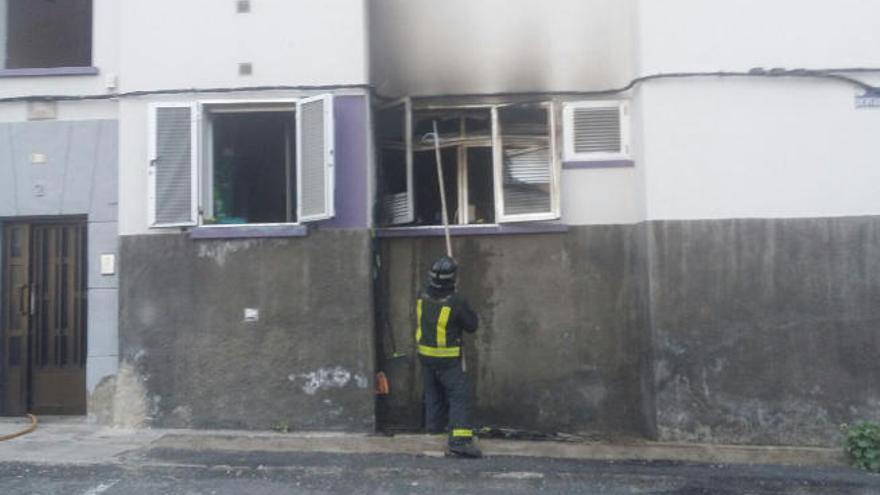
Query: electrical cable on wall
(838, 74)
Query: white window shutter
(173, 165)
(596, 130)
(315, 155)
(397, 207)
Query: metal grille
(173, 165)
(314, 160)
(597, 130)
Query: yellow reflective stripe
(441, 326)
(419, 320)
(462, 432)
(425, 350)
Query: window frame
(58, 70)
(568, 129)
(498, 165)
(201, 156)
(406, 104)
(206, 182)
(495, 142)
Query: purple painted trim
(248, 231)
(462, 230)
(599, 164)
(50, 71)
(352, 166)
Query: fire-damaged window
(46, 33)
(242, 163)
(498, 163)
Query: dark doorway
(44, 290)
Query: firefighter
(442, 315)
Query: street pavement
(181, 472)
(64, 457)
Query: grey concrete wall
(563, 344)
(189, 359)
(79, 177)
(765, 331)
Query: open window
(253, 162)
(46, 33)
(498, 164)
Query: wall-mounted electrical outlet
(251, 314)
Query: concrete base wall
(727, 331)
(190, 359)
(765, 331)
(562, 344)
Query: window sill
(248, 231)
(50, 71)
(598, 164)
(470, 230)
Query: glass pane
(527, 160)
(15, 242)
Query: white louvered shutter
(596, 130)
(315, 158)
(173, 163)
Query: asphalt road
(185, 472)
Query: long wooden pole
(442, 190)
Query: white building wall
(200, 43)
(739, 148)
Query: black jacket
(442, 317)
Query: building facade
(665, 213)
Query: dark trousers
(446, 398)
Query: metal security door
(45, 336)
(15, 311)
(58, 319)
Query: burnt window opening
(253, 179)
(489, 176)
(46, 33)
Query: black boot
(464, 449)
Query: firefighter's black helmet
(442, 274)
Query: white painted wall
(739, 148)
(698, 35)
(421, 47)
(600, 196)
(199, 43)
